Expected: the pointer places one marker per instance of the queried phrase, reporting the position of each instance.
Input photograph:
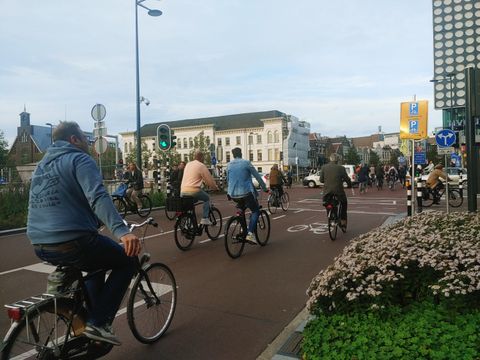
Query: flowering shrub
(428, 256)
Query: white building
(266, 137)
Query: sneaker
(101, 333)
(251, 239)
(205, 221)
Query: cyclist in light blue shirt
(241, 188)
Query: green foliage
(374, 158)
(158, 198)
(3, 149)
(394, 157)
(420, 331)
(13, 206)
(352, 157)
(202, 143)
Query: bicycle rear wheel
(146, 205)
(332, 224)
(213, 231)
(263, 228)
(184, 231)
(455, 198)
(272, 203)
(39, 335)
(285, 201)
(170, 214)
(120, 205)
(234, 237)
(427, 197)
(152, 303)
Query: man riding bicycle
(241, 188)
(194, 174)
(134, 179)
(277, 180)
(67, 197)
(435, 184)
(333, 176)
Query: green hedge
(13, 206)
(420, 331)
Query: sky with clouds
(344, 66)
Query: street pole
(137, 77)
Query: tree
(394, 157)
(352, 156)
(3, 150)
(202, 143)
(374, 158)
(146, 154)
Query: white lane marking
(279, 217)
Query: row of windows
(272, 155)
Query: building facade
(266, 138)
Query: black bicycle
(187, 227)
(430, 196)
(275, 201)
(50, 326)
(123, 204)
(334, 209)
(236, 230)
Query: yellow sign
(413, 120)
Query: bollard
(419, 195)
(409, 197)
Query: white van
(313, 179)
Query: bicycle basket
(61, 280)
(180, 203)
(121, 190)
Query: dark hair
(237, 152)
(66, 129)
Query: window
(125, 148)
(227, 155)
(219, 141)
(276, 136)
(259, 155)
(129, 147)
(250, 139)
(238, 140)
(190, 143)
(250, 155)
(269, 137)
(207, 139)
(260, 169)
(179, 143)
(277, 154)
(184, 143)
(185, 157)
(270, 154)
(259, 139)
(227, 141)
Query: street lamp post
(51, 132)
(151, 12)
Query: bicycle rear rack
(17, 309)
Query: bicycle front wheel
(215, 217)
(234, 237)
(285, 200)
(332, 224)
(120, 205)
(455, 198)
(146, 205)
(152, 303)
(272, 203)
(40, 335)
(184, 232)
(263, 228)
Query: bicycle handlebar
(149, 221)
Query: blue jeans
(250, 201)
(202, 196)
(91, 253)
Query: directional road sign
(445, 138)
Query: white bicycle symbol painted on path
(316, 228)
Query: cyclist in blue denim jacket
(241, 188)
